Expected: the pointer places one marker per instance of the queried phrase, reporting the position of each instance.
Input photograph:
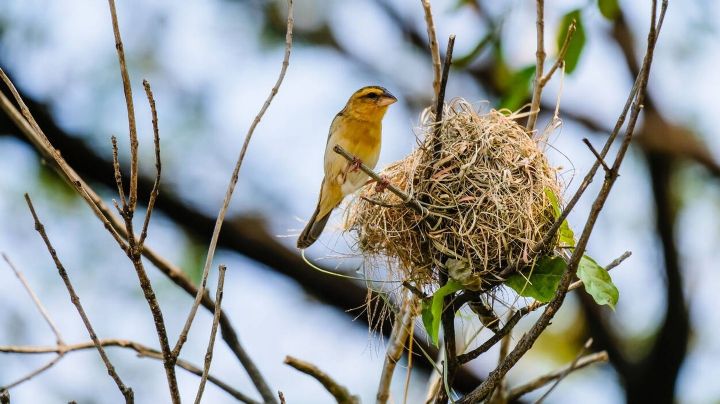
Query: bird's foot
(354, 165)
(382, 185)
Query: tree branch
(539, 64)
(541, 381)
(126, 391)
(140, 349)
(213, 332)
(127, 89)
(341, 393)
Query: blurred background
(211, 65)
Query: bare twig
(401, 331)
(539, 64)
(134, 253)
(573, 365)
(434, 48)
(406, 198)
(340, 392)
(158, 165)
(134, 250)
(440, 101)
(213, 333)
(636, 97)
(31, 129)
(36, 300)
(500, 394)
(597, 155)
(617, 261)
(118, 174)
(126, 391)
(58, 337)
(34, 373)
(127, 89)
(513, 320)
(281, 396)
(142, 351)
(560, 59)
(254, 373)
(541, 381)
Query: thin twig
(500, 394)
(396, 346)
(573, 365)
(52, 362)
(617, 261)
(26, 122)
(440, 101)
(539, 64)
(636, 97)
(517, 392)
(43, 311)
(134, 250)
(127, 89)
(560, 58)
(406, 198)
(126, 391)
(434, 48)
(213, 333)
(341, 394)
(158, 165)
(134, 253)
(36, 300)
(142, 351)
(412, 288)
(118, 174)
(513, 320)
(252, 370)
(597, 155)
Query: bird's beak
(387, 98)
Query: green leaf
(543, 280)
(597, 282)
(519, 88)
(432, 309)
(567, 236)
(609, 9)
(577, 42)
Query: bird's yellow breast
(360, 138)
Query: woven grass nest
(487, 194)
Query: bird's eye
(372, 96)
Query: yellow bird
(357, 129)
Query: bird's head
(369, 103)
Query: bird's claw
(382, 185)
(354, 164)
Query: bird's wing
(333, 125)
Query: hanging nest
(485, 182)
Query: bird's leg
(381, 185)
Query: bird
(357, 128)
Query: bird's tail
(313, 229)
